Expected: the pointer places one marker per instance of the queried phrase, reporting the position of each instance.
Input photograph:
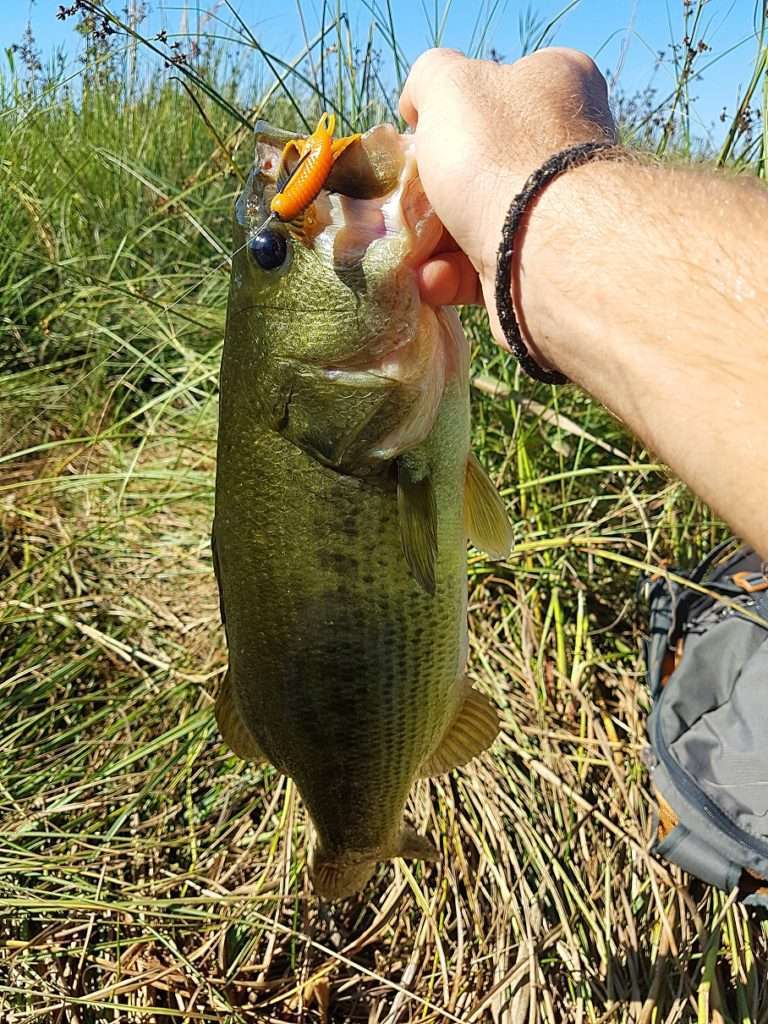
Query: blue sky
(624, 36)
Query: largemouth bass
(345, 494)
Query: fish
(346, 493)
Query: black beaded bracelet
(555, 166)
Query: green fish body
(345, 492)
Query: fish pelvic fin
(485, 517)
(233, 729)
(472, 731)
(337, 876)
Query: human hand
(481, 129)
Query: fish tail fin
(336, 876)
(413, 846)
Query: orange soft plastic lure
(316, 154)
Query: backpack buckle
(750, 582)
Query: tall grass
(147, 875)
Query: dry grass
(145, 874)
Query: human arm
(646, 285)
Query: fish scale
(384, 644)
(341, 563)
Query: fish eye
(269, 249)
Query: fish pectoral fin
(471, 732)
(413, 846)
(417, 513)
(233, 729)
(485, 517)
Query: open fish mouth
(371, 205)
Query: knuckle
(565, 59)
(583, 62)
(434, 60)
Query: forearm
(648, 287)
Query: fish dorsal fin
(417, 513)
(234, 731)
(473, 729)
(485, 518)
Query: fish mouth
(372, 203)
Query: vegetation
(147, 875)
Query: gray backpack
(707, 661)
